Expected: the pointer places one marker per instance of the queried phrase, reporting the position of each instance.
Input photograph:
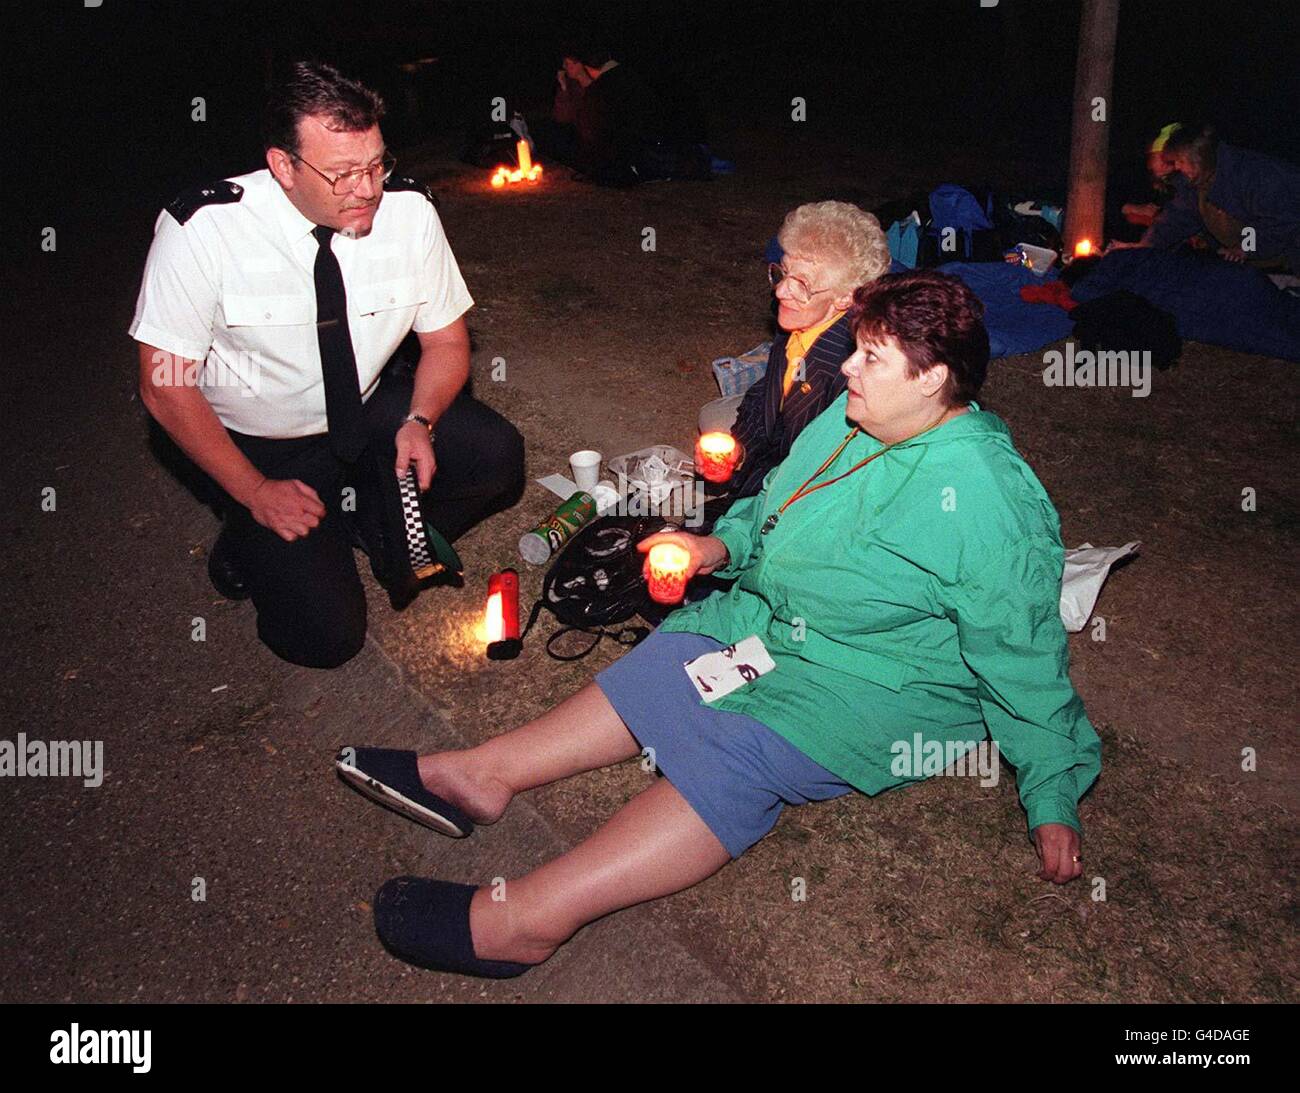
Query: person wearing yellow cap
(1158, 145)
(1244, 204)
(1247, 203)
(1161, 171)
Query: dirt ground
(926, 894)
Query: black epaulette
(185, 205)
(399, 183)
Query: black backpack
(595, 581)
(1123, 320)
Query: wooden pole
(1085, 203)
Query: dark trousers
(311, 607)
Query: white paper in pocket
(716, 674)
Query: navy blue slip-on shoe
(426, 923)
(392, 779)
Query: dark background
(106, 91)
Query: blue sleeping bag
(1211, 300)
(1014, 326)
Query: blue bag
(904, 237)
(952, 206)
(736, 375)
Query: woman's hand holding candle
(667, 564)
(699, 554)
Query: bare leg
(581, 733)
(654, 846)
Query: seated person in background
(831, 248)
(572, 79)
(892, 618)
(612, 126)
(1164, 180)
(557, 137)
(1247, 202)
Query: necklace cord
(803, 491)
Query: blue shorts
(735, 772)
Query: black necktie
(343, 407)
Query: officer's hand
(707, 552)
(288, 507)
(415, 447)
(1057, 846)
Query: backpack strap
(628, 635)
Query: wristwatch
(421, 419)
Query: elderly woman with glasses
(896, 605)
(830, 248)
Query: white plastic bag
(1085, 571)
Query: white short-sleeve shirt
(233, 287)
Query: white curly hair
(841, 237)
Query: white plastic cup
(586, 469)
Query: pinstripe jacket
(764, 426)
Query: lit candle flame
(669, 557)
(527, 171)
(718, 443)
(716, 456)
(1083, 248)
(668, 564)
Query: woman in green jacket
(898, 581)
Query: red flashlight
(502, 616)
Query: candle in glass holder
(716, 455)
(668, 564)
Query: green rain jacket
(920, 595)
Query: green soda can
(558, 528)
